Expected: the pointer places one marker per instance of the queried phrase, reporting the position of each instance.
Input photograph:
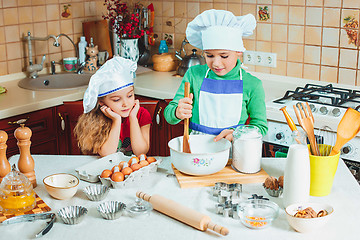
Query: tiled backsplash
(41, 18)
(310, 37)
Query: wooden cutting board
(226, 175)
(99, 31)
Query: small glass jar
(163, 48)
(16, 193)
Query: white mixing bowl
(206, 157)
(61, 185)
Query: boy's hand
(226, 133)
(135, 110)
(110, 114)
(184, 108)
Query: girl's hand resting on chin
(134, 111)
(184, 108)
(110, 113)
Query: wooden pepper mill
(5, 167)
(26, 163)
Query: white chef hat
(220, 29)
(115, 74)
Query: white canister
(297, 175)
(247, 149)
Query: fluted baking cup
(96, 192)
(111, 210)
(72, 214)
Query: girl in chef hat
(113, 120)
(222, 95)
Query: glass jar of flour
(247, 149)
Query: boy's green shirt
(253, 104)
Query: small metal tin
(111, 210)
(219, 208)
(72, 214)
(227, 212)
(96, 192)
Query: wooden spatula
(348, 127)
(186, 145)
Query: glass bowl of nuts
(257, 213)
(307, 217)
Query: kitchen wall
(309, 36)
(41, 18)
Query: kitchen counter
(344, 198)
(160, 85)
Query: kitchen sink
(60, 81)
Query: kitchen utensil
(257, 213)
(99, 31)
(227, 174)
(165, 62)
(72, 214)
(188, 60)
(306, 121)
(5, 167)
(33, 217)
(207, 157)
(304, 225)
(348, 128)
(291, 123)
(151, 12)
(186, 145)
(247, 149)
(322, 172)
(61, 185)
(16, 193)
(184, 214)
(111, 210)
(96, 192)
(139, 208)
(326, 138)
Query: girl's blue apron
(220, 105)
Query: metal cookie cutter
(228, 196)
(33, 217)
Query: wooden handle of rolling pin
(182, 213)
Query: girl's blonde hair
(92, 130)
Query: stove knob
(312, 107)
(346, 150)
(279, 136)
(323, 110)
(336, 112)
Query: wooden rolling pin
(182, 213)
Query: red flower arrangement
(125, 24)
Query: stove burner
(327, 95)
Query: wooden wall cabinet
(52, 128)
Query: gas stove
(328, 104)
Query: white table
(344, 198)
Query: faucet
(33, 69)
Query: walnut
(281, 181)
(272, 183)
(310, 213)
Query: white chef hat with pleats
(114, 75)
(220, 29)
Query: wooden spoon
(348, 127)
(186, 145)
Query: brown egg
(142, 157)
(151, 159)
(121, 165)
(106, 173)
(127, 171)
(135, 166)
(117, 177)
(133, 160)
(144, 163)
(113, 168)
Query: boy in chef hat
(222, 95)
(113, 120)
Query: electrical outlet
(169, 38)
(260, 58)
